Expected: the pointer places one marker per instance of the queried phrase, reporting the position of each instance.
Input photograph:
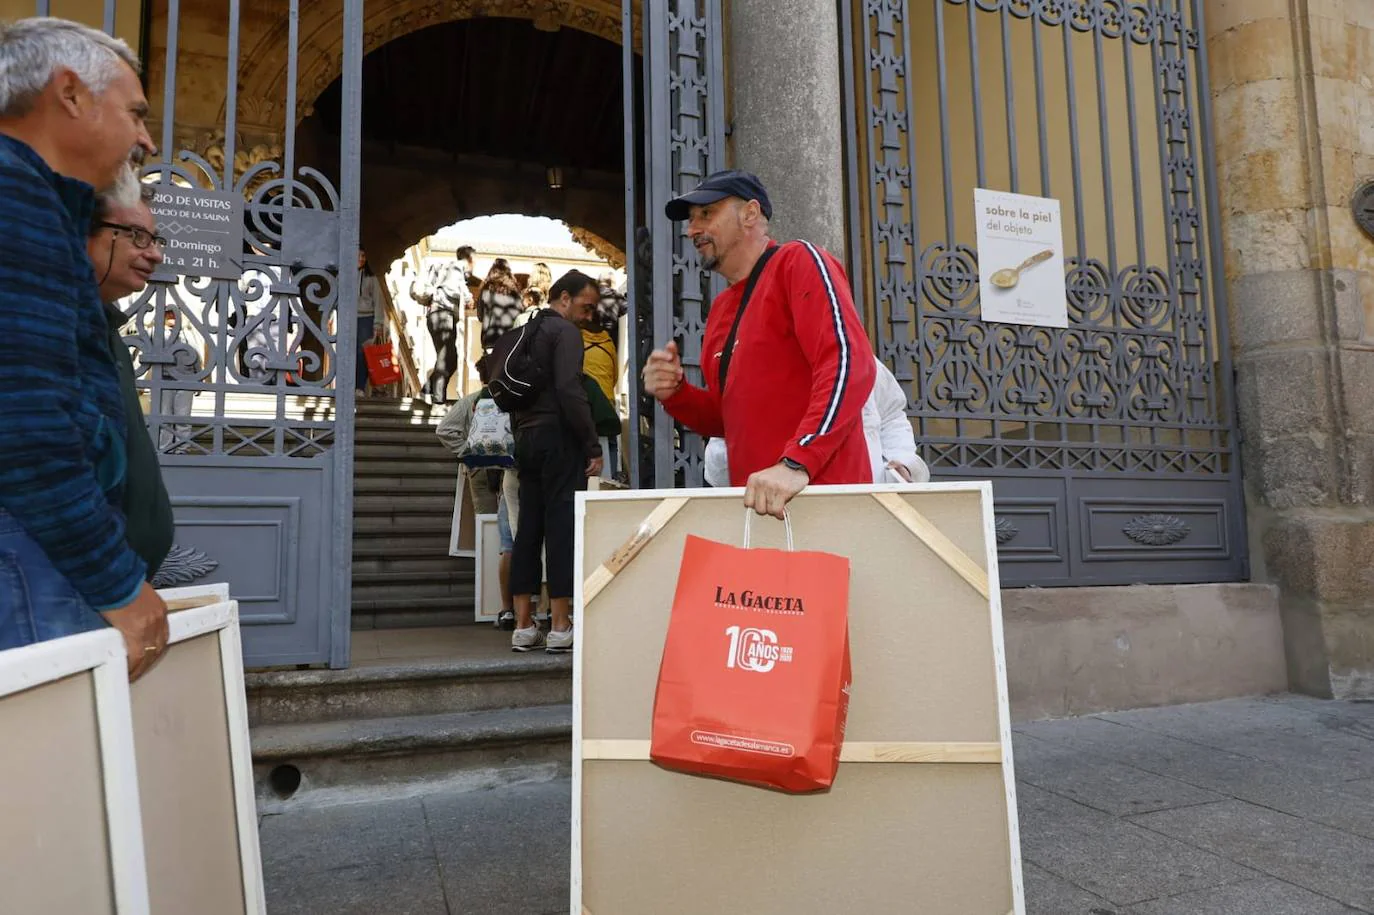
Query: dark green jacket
(148, 523)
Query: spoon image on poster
(1008, 277)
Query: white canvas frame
(460, 493)
(480, 581)
(983, 488)
(222, 617)
(102, 653)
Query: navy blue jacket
(62, 423)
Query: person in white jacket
(887, 430)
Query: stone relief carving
(598, 246)
(1156, 529)
(182, 566)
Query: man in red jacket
(787, 371)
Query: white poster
(1020, 259)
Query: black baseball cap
(729, 183)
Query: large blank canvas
(54, 851)
(938, 838)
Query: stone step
(381, 525)
(406, 582)
(384, 479)
(391, 468)
(410, 565)
(399, 434)
(295, 764)
(416, 409)
(367, 546)
(439, 503)
(426, 452)
(445, 618)
(403, 604)
(426, 687)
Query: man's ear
(72, 95)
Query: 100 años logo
(755, 649)
(751, 600)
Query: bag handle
(749, 284)
(786, 523)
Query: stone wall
(1294, 119)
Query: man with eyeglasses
(125, 251)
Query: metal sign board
(204, 231)
(1020, 259)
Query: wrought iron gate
(684, 128)
(1111, 444)
(245, 339)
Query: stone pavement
(1241, 807)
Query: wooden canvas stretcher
(922, 817)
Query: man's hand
(663, 372)
(143, 623)
(768, 491)
(594, 466)
(900, 469)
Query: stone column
(1294, 122)
(785, 93)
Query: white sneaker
(526, 639)
(560, 642)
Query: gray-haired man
(72, 114)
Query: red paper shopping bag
(754, 683)
(381, 363)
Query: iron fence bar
(1161, 137)
(907, 125)
(349, 213)
(1037, 56)
(1196, 208)
(1104, 141)
(628, 100)
(231, 96)
(853, 233)
(289, 126)
(1228, 410)
(1010, 100)
(1133, 132)
(169, 91)
(108, 23)
(44, 8)
(975, 85)
(661, 184)
(1077, 166)
(943, 82)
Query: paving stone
(1294, 789)
(1101, 783)
(504, 851)
(1264, 895)
(1325, 742)
(1323, 860)
(1113, 858)
(1047, 894)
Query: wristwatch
(795, 465)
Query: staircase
(403, 489)
(468, 713)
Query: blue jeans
(503, 524)
(37, 602)
(365, 326)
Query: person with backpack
(537, 377)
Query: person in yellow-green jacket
(599, 363)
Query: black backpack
(517, 376)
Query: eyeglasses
(140, 236)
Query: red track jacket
(801, 371)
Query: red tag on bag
(381, 363)
(754, 682)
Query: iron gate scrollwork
(1128, 413)
(684, 114)
(248, 367)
